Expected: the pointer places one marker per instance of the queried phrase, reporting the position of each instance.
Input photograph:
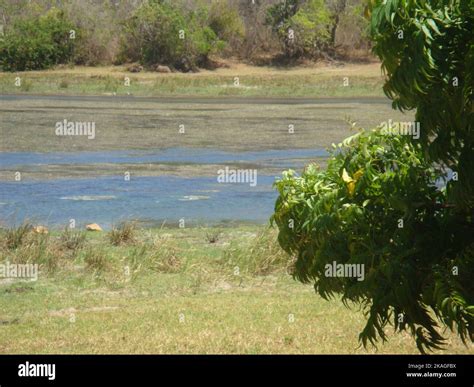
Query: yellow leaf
(358, 174)
(351, 187)
(346, 177)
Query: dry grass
(234, 68)
(122, 234)
(72, 240)
(15, 236)
(139, 124)
(308, 81)
(181, 295)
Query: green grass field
(349, 80)
(172, 291)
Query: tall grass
(121, 250)
(124, 233)
(95, 260)
(21, 245)
(260, 256)
(72, 240)
(15, 236)
(150, 258)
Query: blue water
(278, 158)
(154, 199)
(108, 200)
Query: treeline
(182, 34)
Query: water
(108, 200)
(277, 158)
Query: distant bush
(158, 32)
(37, 43)
(226, 22)
(311, 26)
(352, 30)
(303, 29)
(98, 35)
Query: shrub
(302, 28)
(227, 24)
(159, 32)
(414, 41)
(350, 30)
(37, 43)
(98, 25)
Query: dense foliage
(385, 200)
(302, 27)
(427, 51)
(250, 30)
(37, 43)
(159, 32)
(226, 22)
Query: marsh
(141, 164)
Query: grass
(15, 236)
(72, 240)
(241, 125)
(173, 291)
(316, 81)
(122, 234)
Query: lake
(173, 176)
(151, 199)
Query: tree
(427, 51)
(386, 201)
(160, 32)
(226, 22)
(337, 8)
(36, 43)
(303, 27)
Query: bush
(160, 33)
(351, 31)
(99, 25)
(414, 41)
(227, 24)
(37, 43)
(303, 29)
